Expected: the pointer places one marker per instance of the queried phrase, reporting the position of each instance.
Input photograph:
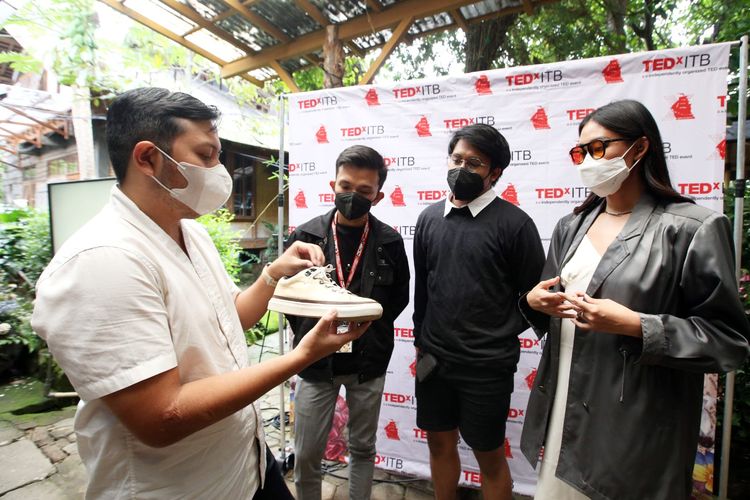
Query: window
(66, 166)
(242, 168)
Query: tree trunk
(81, 115)
(616, 11)
(483, 40)
(333, 58)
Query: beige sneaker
(312, 293)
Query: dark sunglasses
(595, 148)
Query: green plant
(226, 239)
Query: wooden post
(333, 58)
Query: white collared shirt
(475, 206)
(122, 302)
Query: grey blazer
(634, 405)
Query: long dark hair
(631, 120)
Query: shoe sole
(346, 311)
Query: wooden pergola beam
(136, 16)
(459, 19)
(374, 5)
(412, 9)
(354, 49)
(8, 150)
(256, 20)
(284, 75)
(393, 41)
(207, 25)
(29, 117)
(313, 12)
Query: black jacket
(634, 405)
(384, 278)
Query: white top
(574, 277)
(120, 303)
(475, 206)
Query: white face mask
(207, 188)
(605, 176)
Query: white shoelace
(322, 274)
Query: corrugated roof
(258, 39)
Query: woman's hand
(605, 315)
(550, 303)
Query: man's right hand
(323, 339)
(297, 257)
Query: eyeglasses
(595, 148)
(472, 162)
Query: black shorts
(473, 400)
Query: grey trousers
(314, 403)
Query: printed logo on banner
(371, 97)
(680, 62)
(455, 123)
(391, 430)
(539, 119)
(403, 334)
(365, 132)
(321, 102)
(576, 115)
(407, 233)
(701, 190)
(542, 77)
(420, 435)
(516, 415)
(321, 135)
(303, 168)
(430, 196)
(326, 199)
(529, 379)
(389, 462)
(397, 163)
(418, 92)
(472, 477)
(722, 102)
(423, 127)
(482, 85)
(299, 200)
(413, 368)
(397, 197)
(510, 195)
(530, 344)
(721, 148)
(612, 72)
(682, 108)
(508, 451)
(397, 400)
(561, 194)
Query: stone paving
(42, 462)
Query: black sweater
(469, 274)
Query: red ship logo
(372, 98)
(510, 195)
(482, 85)
(539, 119)
(321, 135)
(530, 378)
(682, 108)
(722, 149)
(413, 368)
(391, 431)
(299, 200)
(397, 197)
(423, 127)
(612, 72)
(508, 453)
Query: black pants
(274, 487)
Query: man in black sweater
(370, 261)
(474, 255)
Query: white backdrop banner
(538, 109)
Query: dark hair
(363, 157)
(149, 114)
(631, 120)
(488, 141)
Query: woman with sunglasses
(638, 301)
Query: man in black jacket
(370, 261)
(475, 254)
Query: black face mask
(352, 205)
(465, 185)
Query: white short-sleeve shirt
(122, 302)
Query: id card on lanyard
(345, 282)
